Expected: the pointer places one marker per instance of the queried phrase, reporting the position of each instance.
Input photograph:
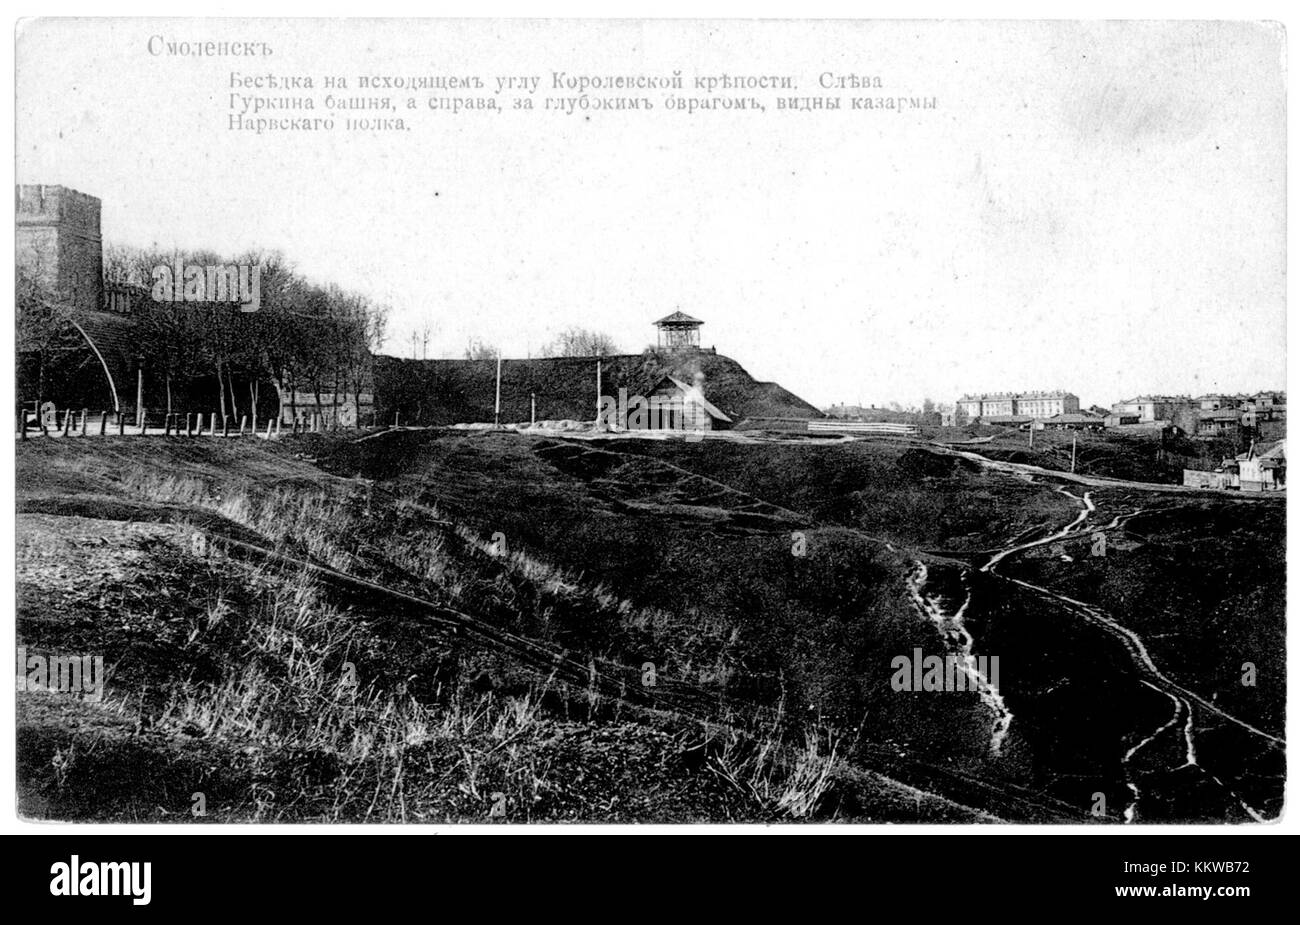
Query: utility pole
(1074, 450)
(533, 417)
(498, 418)
(598, 394)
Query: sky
(1097, 207)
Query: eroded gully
(939, 609)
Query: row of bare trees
(309, 339)
(571, 342)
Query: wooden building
(691, 410)
(1263, 467)
(679, 331)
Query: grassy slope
(227, 676)
(1201, 579)
(1110, 453)
(709, 571)
(463, 391)
(626, 553)
(889, 490)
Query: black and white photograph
(716, 424)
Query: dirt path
(1183, 700)
(1097, 481)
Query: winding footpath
(1184, 702)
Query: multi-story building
(1150, 408)
(1037, 405)
(1225, 422)
(1217, 402)
(1258, 401)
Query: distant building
(1261, 468)
(1224, 423)
(1030, 405)
(1149, 408)
(1223, 477)
(1266, 406)
(1217, 402)
(1258, 402)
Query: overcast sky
(1094, 207)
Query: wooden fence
(863, 427)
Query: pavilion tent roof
(678, 318)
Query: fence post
(67, 422)
(225, 425)
(85, 414)
(268, 430)
(214, 424)
(22, 421)
(103, 423)
(121, 424)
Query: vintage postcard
(522, 422)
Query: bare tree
(304, 337)
(580, 342)
(44, 331)
(478, 349)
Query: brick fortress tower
(58, 239)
